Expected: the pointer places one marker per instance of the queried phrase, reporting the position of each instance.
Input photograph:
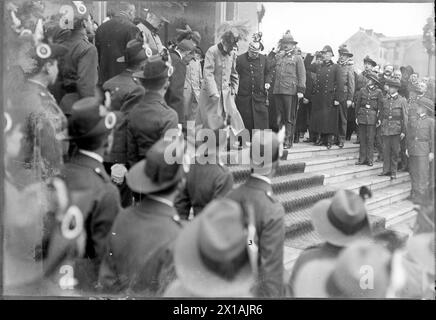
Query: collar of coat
(221, 49)
(328, 63)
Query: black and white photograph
(184, 150)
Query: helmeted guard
(420, 149)
(151, 117)
(268, 213)
(368, 103)
(90, 125)
(139, 259)
(393, 121)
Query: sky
(314, 25)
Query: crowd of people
(93, 207)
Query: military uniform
(272, 110)
(368, 103)
(204, 182)
(393, 123)
(319, 252)
(290, 79)
(78, 74)
(45, 130)
(420, 142)
(139, 259)
(151, 36)
(147, 123)
(347, 75)
(269, 221)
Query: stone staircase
(312, 173)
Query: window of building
(230, 11)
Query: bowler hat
(342, 278)
(89, 119)
(327, 48)
(341, 219)
(393, 82)
(136, 51)
(211, 254)
(367, 59)
(155, 68)
(155, 173)
(343, 50)
(422, 249)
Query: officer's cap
(327, 48)
(136, 51)
(155, 68)
(343, 50)
(288, 38)
(367, 59)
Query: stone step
(388, 196)
(372, 182)
(394, 211)
(349, 172)
(295, 200)
(405, 224)
(327, 162)
(307, 150)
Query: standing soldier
(345, 64)
(368, 103)
(392, 119)
(329, 90)
(361, 82)
(90, 127)
(151, 117)
(126, 91)
(420, 149)
(149, 27)
(268, 212)
(289, 85)
(252, 68)
(313, 68)
(79, 67)
(111, 39)
(272, 110)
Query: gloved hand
(336, 103)
(305, 101)
(300, 95)
(357, 122)
(118, 172)
(349, 103)
(407, 153)
(267, 86)
(430, 156)
(402, 135)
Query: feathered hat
(287, 38)
(256, 44)
(239, 30)
(188, 34)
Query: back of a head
(264, 152)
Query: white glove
(402, 135)
(357, 122)
(430, 156)
(267, 86)
(407, 153)
(336, 103)
(349, 103)
(300, 95)
(118, 171)
(378, 124)
(305, 101)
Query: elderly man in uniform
(46, 125)
(252, 68)
(329, 91)
(151, 117)
(125, 92)
(420, 149)
(79, 68)
(393, 120)
(90, 127)
(149, 27)
(111, 39)
(268, 212)
(139, 257)
(345, 64)
(289, 85)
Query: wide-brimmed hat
(154, 173)
(90, 119)
(211, 255)
(367, 59)
(136, 51)
(343, 50)
(373, 76)
(422, 249)
(155, 68)
(288, 38)
(393, 82)
(342, 277)
(341, 219)
(327, 48)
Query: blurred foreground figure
(139, 256)
(268, 212)
(90, 125)
(213, 257)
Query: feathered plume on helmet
(188, 34)
(236, 30)
(257, 38)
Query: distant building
(399, 51)
(201, 16)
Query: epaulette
(270, 195)
(176, 219)
(100, 173)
